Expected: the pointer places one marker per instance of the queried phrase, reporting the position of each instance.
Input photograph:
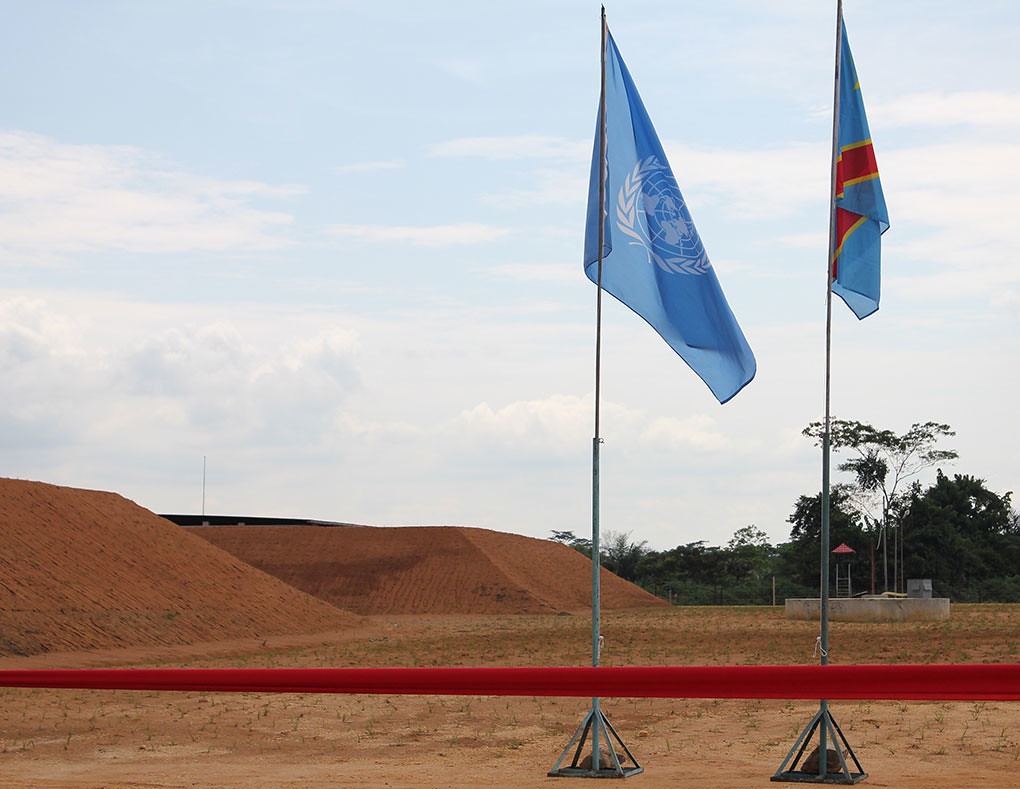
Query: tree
(749, 536)
(622, 556)
(965, 538)
(617, 552)
(579, 544)
(881, 463)
(748, 556)
(700, 574)
(799, 559)
(691, 574)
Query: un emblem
(667, 233)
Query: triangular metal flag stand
(611, 763)
(823, 722)
(603, 761)
(794, 770)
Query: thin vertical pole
(596, 559)
(595, 723)
(603, 149)
(826, 442)
(203, 486)
(896, 559)
(826, 439)
(823, 721)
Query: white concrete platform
(871, 609)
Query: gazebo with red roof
(843, 552)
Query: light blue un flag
(653, 259)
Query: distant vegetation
(959, 534)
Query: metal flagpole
(820, 770)
(595, 724)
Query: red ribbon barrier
(988, 682)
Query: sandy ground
(140, 739)
(89, 579)
(83, 569)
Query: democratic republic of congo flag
(861, 215)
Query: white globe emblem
(667, 233)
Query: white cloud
(767, 183)
(558, 271)
(546, 187)
(527, 146)
(954, 207)
(208, 383)
(29, 332)
(1007, 301)
(699, 432)
(426, 236)
(552, 422)
(371, 167)
(965, 108)
(61, 198)
(465, 69)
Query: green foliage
(881, 463)
(965, 538)
(622, 556)
(699, 574)
(618, 553)
(579, 544)
(957, 533)
(800, 558)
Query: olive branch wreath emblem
(627, 219)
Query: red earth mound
(426, 569)
(85, 569)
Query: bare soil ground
(91, 579)
(129, 740)
(426, 569)
(85, 569)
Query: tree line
(956, 532)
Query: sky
(322, 259)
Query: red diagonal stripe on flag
(846, 223)
(856, 163)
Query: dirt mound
(84, 569)
(426, 569)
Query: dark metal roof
(245, 520)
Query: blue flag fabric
(861, 215)
(653, 258)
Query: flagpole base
(613, 763)
(796, 769)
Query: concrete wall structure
(871, 609)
